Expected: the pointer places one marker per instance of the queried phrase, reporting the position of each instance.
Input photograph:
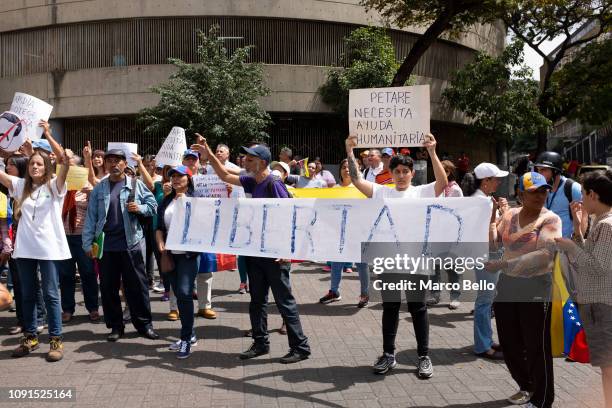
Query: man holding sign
(264, 273)
(402, 172)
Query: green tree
(217, 96)
(439, 16)
(499, 95)
(582, 88)
(369, 62)
(535, 22)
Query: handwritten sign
(331, 229)
(21, 121)
(389, 117)
(209, 185)
(77, 177)
(171, 152)
(128, 149)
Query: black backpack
(567, 190)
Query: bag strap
(567, 190)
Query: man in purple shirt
(264, 273)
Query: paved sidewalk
(345, 341)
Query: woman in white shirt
(40, 243)
(402, 172)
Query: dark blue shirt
(114, 232)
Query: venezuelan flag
(566, 332)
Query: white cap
(484, 170)
(284, 165)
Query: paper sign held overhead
(76, 178)
(171, 152)
(128, 149)
(21, 121)
(209, 185)
(389, 117)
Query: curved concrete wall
(125, 90)
(24, 14)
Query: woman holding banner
(185, 264)
(592, 259)
(522, 304)
(338, 267)
(41, 243)
(402, 171)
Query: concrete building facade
(95, 61)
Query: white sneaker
(176, 346)
(520, 398)
(159, 287)
(454, 305)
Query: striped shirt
(593, 262)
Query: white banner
(209, 185)
(128, 149)
(389, 117)
(322, 229)
(171, 152)
(30, 110)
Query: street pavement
(345, 341)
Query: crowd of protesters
(51, 235)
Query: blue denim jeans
(182, 284)
(89, 281)
(336, 276)
(27, 269)
(483, 333)
(41, 314)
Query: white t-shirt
(422, 191)
(168, 214)
(40, 234)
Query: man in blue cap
(264, 273)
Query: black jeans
(265, 274)
(127, 266)
(524, 334)
(415, 296)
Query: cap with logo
(190, 152)
(183, 170)
(532, 181)
(484, 170)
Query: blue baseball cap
(190, 152)
(259, 151)
(42, 144)
(184, 170)
(532, 181)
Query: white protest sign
(389, 117)
(171, 152)
(12, 131)
(330, 229)
(31, 111)
(209, 185)
(128, 149)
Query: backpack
(567, 190)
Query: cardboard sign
(171, 152)
(76, 178)
(389, 117)
(209, 185)
(128, 149)
(330, 229)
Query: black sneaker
(293, 357)
(384, 363)
(330, 297)
(425, 367)
(254, 351)
(115, 335)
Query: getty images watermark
(415, 268)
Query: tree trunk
(422, 45)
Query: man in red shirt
(384, 177)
